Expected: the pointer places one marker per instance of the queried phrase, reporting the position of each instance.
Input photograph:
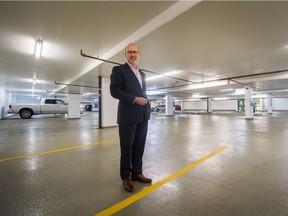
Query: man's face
(132, 54)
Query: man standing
(128, 85)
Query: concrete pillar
(209, 105)
(74, 106)
(182, 105)
(109, 105)
(249, 103)
(269, 108)
(261, 105)
(169, 104)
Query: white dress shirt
(136, 72)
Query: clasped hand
(140, 101)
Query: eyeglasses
(132, 52)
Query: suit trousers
(132, 144)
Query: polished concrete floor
(201, 164)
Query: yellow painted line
(56, 150)
(51, 134)
(157, 185)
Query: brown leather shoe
(127, 184)
(141, 178)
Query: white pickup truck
(47, 106)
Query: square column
(74, 106)
(169, 104)
(269, 104)
(249, 103)
(209, 105)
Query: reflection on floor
(60, 166)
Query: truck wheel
(26, 113)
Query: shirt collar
(133, 67)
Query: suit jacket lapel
(132, 74)
(143, 79)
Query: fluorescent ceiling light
(89, 93)
(195, 99)
(196, 95)
(221, 98)
(240, 91)
(153, 77)
(38, 48)
(154, 92)
(260, 96)
(171, 73)
(227, 89)
(160, 76)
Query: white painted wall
(95, 106)
(278, 104)
(224, 105)
(195, 105)
(216, 105)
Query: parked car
(88, 107)
(158, 108)
(177, 107)
(47, 106)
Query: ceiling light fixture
(227, 90)
(154, 77)
(240, 91)
(160, 76)
(195, 95)
(38, 48)
(154, 92)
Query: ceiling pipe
(61, 92)
(228, 78)
(149, 71)
(57, 83)
(257, 74)
(193, 82)
(245, 84)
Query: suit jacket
(125, 87)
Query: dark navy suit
(131, 118)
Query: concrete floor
(58, 166)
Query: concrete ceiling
(203, 43)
